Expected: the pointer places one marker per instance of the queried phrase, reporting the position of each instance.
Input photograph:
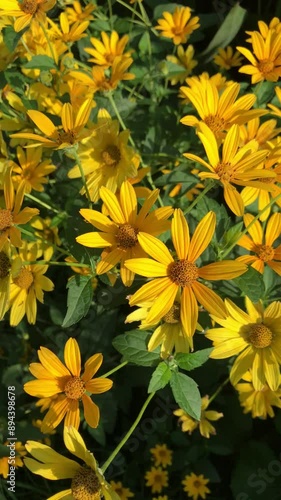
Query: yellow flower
(275, 110)
(261, 243)
(26, 11)
(188, 424)
(156, 479)
(163, 497)
(51, 465)
(59, 137)
(119, 235)
(227, 58)
(67, 33)
(106, 158)
(27, 286)
(8, 267)
(178, 25)
(255, 336)
(161, 455)
(65, 381)
(219, 111)
(181, 274)
(106, 51)
(261, 133)
(6, 461)
(265, 57)
(123, 493)
(31, 171)
(258, 402)
(11, 215)
(195, 486)
(78, 13)
(233, 166)
(185, 59)
(47, 236)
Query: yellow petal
(202, 236)
(112, 204)
(189, 311)
(91, 411)
(225, 270)
(233, 199)
(59, 471)
(42, 388)
(146, 267)
(96, 240)
(72, 357)
(209, 299)
(91, 366)
(99, 385)
(162, 304)
(128, 202)
(180, 234)
(98, 220)
(42, 122)
(52, 363)
(72, 417)
(150, 291)
(155, 248)
(67, 117)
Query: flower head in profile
(185, 59)
(195, 486)
(87, 480)
(68, 33)
(5, 460)
(119, 233)
(258, 402)
(255, 336)
(181, 274)
(189, 424)
(156, 479)
(123, 493)
(107, 49)
(161, 455)
(25, 11)
(76, 12)
(275, 110)
(227, 58)
(31, 171)
(178, 25)
(67, 382)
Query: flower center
(265, 66)
(127, 236)
(260, 336)
(177, 30)
(4, 265)
(224, 171)
(74, 388)
(215, 123)
(24, 279)
(265, 252)
(6, 219)
(85, 485)
(68, 137)
(183, 272)
(172, 316)
(29, 6)
(111, 155)
(197, 484)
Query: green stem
(110, 13)
(42, 203)
(54, 263)
(208, 187)
(35, 238)
(48, 40)
(76, 157)
(219, 389)
(114, 370)
(133, 10)
(116, 111)
(126, 437)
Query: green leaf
(186, 394)
(41, 62)
(265, 93)
(232, 234)
(133, 346)
(79, 298)
(227, 31)
(144, 43)
(11, 38)
(251, 283)
(160, 378)
(178, 176)
(193, 360)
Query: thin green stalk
(126, 437)
(110, 13)
(48, 40)
(114, 370)
(208, 187)
(54, 263)
(133, 10)
(42, 203)
(35, 238)
(76, 157)
(219, 389)
(113, 104)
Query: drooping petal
(162, 304)
(241, 365)
(72, 417)
(91, 411)
(189, 311)
(209, 299)
(150, 291)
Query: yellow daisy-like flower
(188, 424)
(195, 486)
(256, 336)
(274, 109)
(63, 136)
(185, 59)
(161, 455)
(66, 381)
(27, 286)
(261, 243)
(173, 275)
(8, 267)
(87, 480)
(258, 402)
(47, 236)
(31, 171)
(68, 33)
(105, 51)
(219, 111)
(106, 158)
(7, 462)
(26, 10)
(76, 12)
(260, 132)
(119, 235)
(123, 493)
(227, 58)
(233, 165)
(178, 25)
(156, 479)
(265, 57)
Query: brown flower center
(265, 66)
(172, 316)
(260, 336)
(6, 219)
(215, 123)
(224, 171)
(5, 265)
(66, 137)
(197, 484)
(183, 273)
(111, 155)
(265, 252)
(24, 279)
(29, 6)
(85, 485)
(127, 236)
(74, 388)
